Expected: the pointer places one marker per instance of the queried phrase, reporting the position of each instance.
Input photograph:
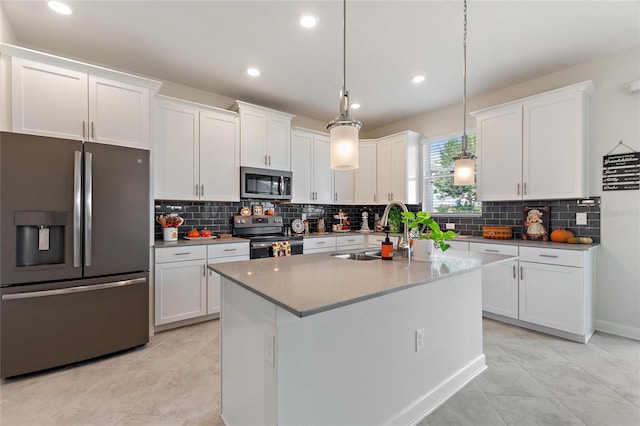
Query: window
(440, 196)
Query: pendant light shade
(343, 131)
(464, 162)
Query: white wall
(615, 115)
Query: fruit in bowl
(193, 233)
(205, 233)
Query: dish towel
(281, 248)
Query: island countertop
(313, 283)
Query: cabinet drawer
(179, 254)
(552, 256)
(494, 248)
(349, 240)
(226, 250)
(320, 243)
(459, 245)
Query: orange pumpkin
(561, 235)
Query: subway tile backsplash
(218, 216)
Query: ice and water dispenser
(40, 238)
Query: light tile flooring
(533, 379)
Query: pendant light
(343, 131)
(464, 164)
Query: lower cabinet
(349, 242)
(547, 287)
(180, 283)
(319, 245)
(184, 287)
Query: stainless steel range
(262, 232)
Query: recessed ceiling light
(355, 106)
(61, 7)
(309, 21)
(418, 79)
(253, 72)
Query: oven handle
(263, 245)
(70, 290)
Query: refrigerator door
(116, 228)
(39, 208)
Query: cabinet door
(214, 281)
(180, 291)
(253, 135)
(301, 166)
(175, 152)
(383, 181)
(343, 186)
(278, 143)
(118, 113)
(48, 100)
(365, 174)
(554, 155)
(499, 165)
(399, 169)
(500, 289)
(219, 157)
(552, 296)
(322, 175)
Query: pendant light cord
(344, 45)
(464, 79)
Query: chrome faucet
(403, 244)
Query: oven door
(260, 250)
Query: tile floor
(533, 379)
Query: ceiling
(209, 45)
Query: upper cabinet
(264, 137)
(52, 96)
(398, 168)
(196, 152)
(535, 148)
(310, 165)
(365, 174)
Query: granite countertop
(314, 283)
(183, 242)
(526, 243)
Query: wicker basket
(497, 232)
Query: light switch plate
(450, 225)
(304, 216)
(581, 218)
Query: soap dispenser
(387, 247)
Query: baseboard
(191, 321)
(428, 403)
(618, 329)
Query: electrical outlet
(450, 226)
(419, 339)
(304, 216)
(269, 348)
(581, 218)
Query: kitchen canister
(170, 234)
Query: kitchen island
(317, 339)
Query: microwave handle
(281, 185)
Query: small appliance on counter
(365, 222)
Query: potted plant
(434, 236)
(394, 219)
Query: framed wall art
(535, 223)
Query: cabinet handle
(514, 271)
(182, 254)
(492, 250)
(201, 190)
(374, 198)
(197, 190)
(84, 125)
(351, 240)
(521, 273)
(524, 188)
(335, 197)
(265, 160)
(549, 255)
(204, 270)
(93, 131)
(269, 158)
(321, 242)
(391, 197)
(230, 249)
(518, 191)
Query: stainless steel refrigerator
(74, 271)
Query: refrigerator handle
(88, 201)
(77, 210)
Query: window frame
(426, 181)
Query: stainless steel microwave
(265, 183)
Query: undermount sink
(361, 255)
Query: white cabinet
(180, 283)
(535, 148)
(196, 151)
(310, 165)
(55, 101)
(343, 186)
(264, 137)
(499, 281)
(350, 242)
(221, 253)
(319, 245)
(548, 289)
(365, 176)
(458, 245)
(398, 168)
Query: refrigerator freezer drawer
(47, 325)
